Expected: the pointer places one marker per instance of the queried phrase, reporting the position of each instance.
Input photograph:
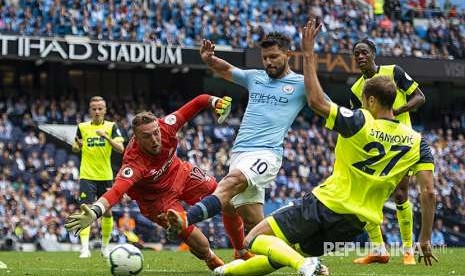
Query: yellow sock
(107, 228)
(374, 232)
(84, 235)
(405, 219)
(257, 265)
(277, 251)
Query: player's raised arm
(220, 106)
(315, 96)
(218, 65)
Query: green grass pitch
(451, 262)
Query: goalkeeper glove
(222, 107)
(80, 220)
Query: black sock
(206, 208)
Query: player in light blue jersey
(276, 96)
(272, 107)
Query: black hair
(368, 42)
(276, 38)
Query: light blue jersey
(272, 107)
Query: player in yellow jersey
(96, 140)
(408, 98)
(373, 153)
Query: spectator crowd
(39, 178)
(241, 24)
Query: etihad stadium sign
(82, 49)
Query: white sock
(84, 245)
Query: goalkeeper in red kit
(156, 178)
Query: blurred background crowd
(419, 28)
(39, 177)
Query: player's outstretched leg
(281, 254)
(378, 252)
(405, 219)
(272, 253)
(202, 210)
(234, 227)
(257, 265)
(107, 228)
(261, 265)
(232, 184)
(84, 236)
(200, 247)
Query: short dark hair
(368, 42)
(143, 118)
(276, 38)
(383, 89)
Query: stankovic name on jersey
(393, 139)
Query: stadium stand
(38, 178)
(405, 28)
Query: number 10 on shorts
(259, 167)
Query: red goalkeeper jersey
(143, 177)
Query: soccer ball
(125, 260)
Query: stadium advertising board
(328, 63)
(82, 50)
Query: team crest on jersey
(127, 172)
(346, 112)
(170, 119)
(288, 89)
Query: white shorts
(260, 168)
